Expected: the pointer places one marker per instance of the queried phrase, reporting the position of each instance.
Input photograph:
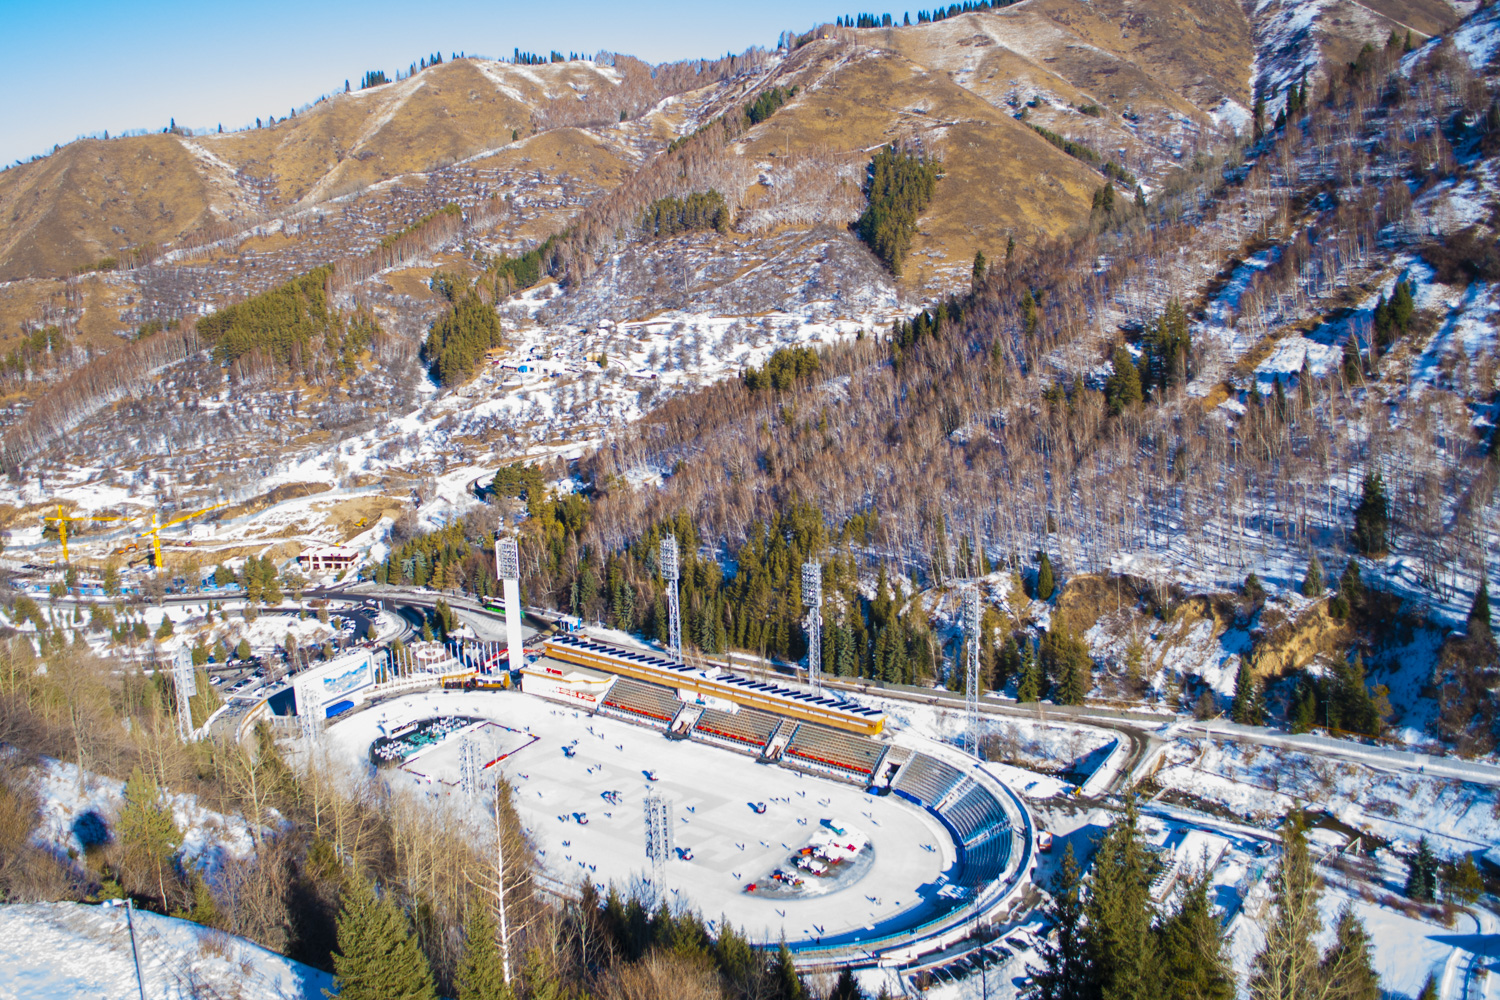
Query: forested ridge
(1048, 413)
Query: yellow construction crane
(61, 520)
(154, 532)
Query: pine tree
(1371, 517)
(147, 832)
(980, 266)
(1064, 973)
(847, 987)
(1194, 949)
(1287, 967)
(1312, 583)
(1246, 709)
(1461, 881)
(1422, 873)
(481, 974)
(377, 957)
(1118, 911)
(1429, 989)
(1347, 970)
(1045, 586)
(1122, 389)
(786, 984)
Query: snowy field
(59, 951)
(711, 791)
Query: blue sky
(73, 67)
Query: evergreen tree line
(767, 102)
(1165, 362)
(783, 369)
(458, 556)
(670, 216)
(1110, 938)
(898, 185)
(290, 325)
(460, 337)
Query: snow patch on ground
(60, 951)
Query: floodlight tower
(470, 768)
(508, 569)
(812, 600)
(185, 680)
(669, 572)
(307, 711)
(971, 669)
(658, 820)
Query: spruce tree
(846, 987)
(377, 957)
(1371, 517)
(1312, 583)
(1422, 873)
(1347, 970)
(1118, 910)
(1045, 585)
(1064, 973)
(1122, 390)
(1246, 709)
(481, 973)
(1194, 948)
(786, 984)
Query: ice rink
(711, 791)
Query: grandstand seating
(646, 704)
(746, 730)
(985, 860)
(841, 754)
(974, 813)
(927, 779)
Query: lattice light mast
(470, 767)
(971, 669)
(812, 600)
(658, 821)
(508, 569)
(185, 680)
(669, 573)
(307, 711)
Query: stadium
(794, 815)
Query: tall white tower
(669, 572)
(971, 669)
(812, 600)
(508, 569)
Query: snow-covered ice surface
(61, 951)
(711, 791)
